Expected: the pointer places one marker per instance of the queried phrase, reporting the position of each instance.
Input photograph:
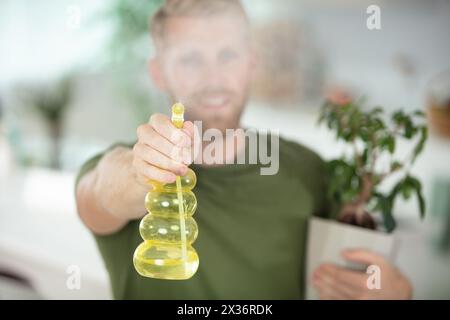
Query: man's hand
(113, 193)
(162, 151)
(334, 282)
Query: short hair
(174, 8)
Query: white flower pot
(327, 239)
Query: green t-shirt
(252, 233)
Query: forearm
(109, 196)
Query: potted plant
(128, 49)
(51, 102)
(364, 215)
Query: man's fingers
(352, 282)
(156, 158)
(148, 172)
(162, 124)
(148, 136)
(188, 127)
(327, 289)
(362, 256)
(163, 151)
(329, 292)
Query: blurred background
(73, 80)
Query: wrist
(117, 191)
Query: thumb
(362, 256)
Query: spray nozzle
(178, 115)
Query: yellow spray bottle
(168, 229)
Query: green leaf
(398, 117)
(376, 110)
(419, 113)
(364, 156)
(385, 204)
(421, 144)
(391, 144)
(378, 124)
(343, 183)
(388, 220)
(364, 134)
(417, 187)
(409, 129)
(421, 201)
(395, 165)
(406, 190)
(388, 143)
(396, 191)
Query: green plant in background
(355, 180)
(128, 51)
(51, 103)
(130, 29)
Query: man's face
(206, 63)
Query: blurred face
(206, 63)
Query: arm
(109, 196)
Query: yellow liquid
(166, 252)
(162, 261)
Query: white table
(41, 236)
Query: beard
(217, 108)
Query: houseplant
(356, 180)
(51, 102)
(127, 53)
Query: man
(251, 241)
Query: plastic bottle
(168, 229)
